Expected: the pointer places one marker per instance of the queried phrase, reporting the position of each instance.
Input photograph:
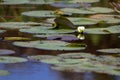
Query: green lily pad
(78, 21)
(41, 2)
(83, 1)
(13, 2)
(45, 30)
(48, 45)
(110, 19)
(4, 72)
(9, 59)
(40, 57)
(64, 37)
(77, 55)
(108, 30)
(112, 50)
(91, 10)
(39, 14)
(2, 31)
(5, 52)
(16, 25)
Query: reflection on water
(40, 71)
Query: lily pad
(91, 10)
(77, 55)
(40, 57)
(9, 59)
(13, 2)
(39, 14)
(4, 72)
(49, 45)
(64, 37)
(45, 30)
(83, 1)
(112, 50)
(16, 25)
(108, 30)
(16, 38)
(78, 21)
(110, 19)
(2, 31)
(5, 52)
(40, 2)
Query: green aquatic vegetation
(91, 10)
(107, 18)
(17, 25)
(76, 45)
(78, 21)
(45, 30)
(63, 37)
(4, 73)
(77, 55)
(108, 30)
(13, 2)
(83, 1)
(39, 14)
(40, 57)
(48, 45)
(9, 59)
(111, 50)
(2, 31)
(6, 52)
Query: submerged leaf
(9, 59)
(4, 72)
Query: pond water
(33, 70)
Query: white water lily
(80, 29)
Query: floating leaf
(78, 21)
(13, 2)
(112, 50)
(108, 30)
(48, 45)
(16, 25)
(38, 14)
(41, 2)
(65, 4)
(83, 1)
(110, 19)
(46, 30)
(9, 59)
(4, 72)
(40, 57)
(77, 55)
(2, 31)
(91, 10)
(64, 37)
(16, 38)
(5, 52)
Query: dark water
(39, 71)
